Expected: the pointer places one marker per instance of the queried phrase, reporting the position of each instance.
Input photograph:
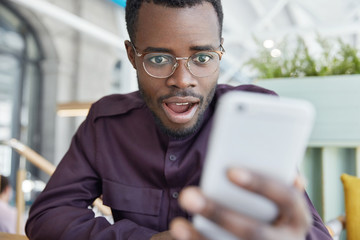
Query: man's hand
(293, 221)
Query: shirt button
(175, 195)
(172, 157)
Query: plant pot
(337, 103)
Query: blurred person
(8, 214)
(140, 150)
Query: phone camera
(240, 107)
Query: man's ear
(130, 53)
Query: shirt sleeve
(318, 230)
(61, 210)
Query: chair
(351, 221)
(336, 226)
(48, 168)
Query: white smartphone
(264, 133)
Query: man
(8, 213)
(141, 149)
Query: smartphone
(264, 133)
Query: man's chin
(179, 132)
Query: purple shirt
(120, 153)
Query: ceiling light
(268, 43)
(275, 53)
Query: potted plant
(330, 79)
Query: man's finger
(300, 183)
(289, 199)
(181, 229)
(240, 225)
(272, 189)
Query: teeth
(182, 104)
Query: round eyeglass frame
(175, 66)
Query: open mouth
(180, 107)
(180, 110)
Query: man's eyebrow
(156, 49)
(203, 48)
(166, 50)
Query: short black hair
(4, 182)
(133, 6)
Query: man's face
(178, 102)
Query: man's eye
(160, 60)
(202, 58)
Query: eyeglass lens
(161, 65)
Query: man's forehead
(151, 7)
(197, 25)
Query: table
(8, 236)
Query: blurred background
(59, 56)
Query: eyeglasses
(163, 65)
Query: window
(20, 84)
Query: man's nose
(182, 77)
